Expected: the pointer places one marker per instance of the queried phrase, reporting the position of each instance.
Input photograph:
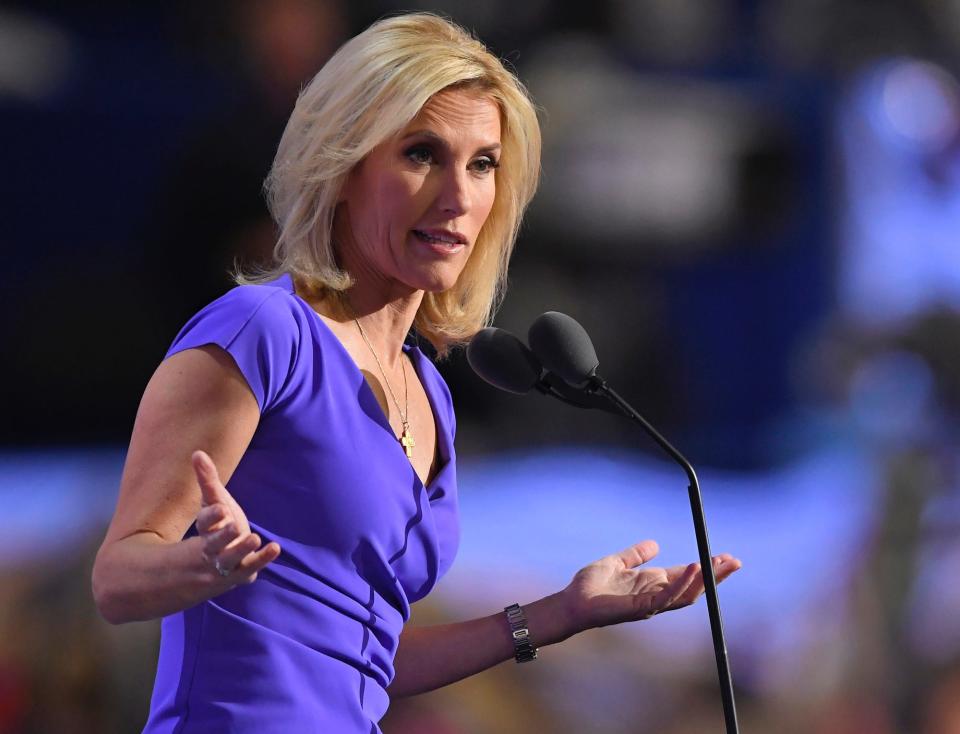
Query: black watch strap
(523, 649)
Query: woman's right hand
(233, 554)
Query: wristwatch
(523, 649)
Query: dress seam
(193, 671)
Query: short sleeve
(255, 325)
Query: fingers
(671, 595)
(687, 584)
(638, 554)
(212, 517)
(216, 542)
(728, 566)
(212, 490)
(231, 556)
(237, 559)
(254, 562)
(723, 566)
(229, 550)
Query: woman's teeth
(449, 242)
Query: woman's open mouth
(444, 242)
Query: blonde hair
(365, 94)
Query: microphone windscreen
(503, 360)
(564, 348)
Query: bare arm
(609, 591)
(432, 657)
(197, 399)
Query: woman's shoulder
(271, 306)
(261, 326)
(275, 298)
(266, 311)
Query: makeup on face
(418, 202)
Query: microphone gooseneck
(564, 348)
(599, 387)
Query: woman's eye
(485, 164)
(420, 154)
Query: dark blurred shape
(687, 215)
(940, 712)
(935, 336)
(209, 213)
(36, 57)
(134, 188)
(647, 168)
(62, 668)
(834, 37)
(675, 32)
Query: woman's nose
(454, 197)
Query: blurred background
(754, 209)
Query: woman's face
(412, 209)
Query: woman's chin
(436, 281)
(438, 288)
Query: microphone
(502, 360)
(563, 347)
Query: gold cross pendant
(406, 440)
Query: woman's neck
(385, 321)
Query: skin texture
(437, 174)
(143, 569)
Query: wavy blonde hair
(368, 92)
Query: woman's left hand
(618, 588)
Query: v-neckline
(443, 448)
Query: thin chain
(406, 396)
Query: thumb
(211, 488)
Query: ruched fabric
(309, 646)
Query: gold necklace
(406, 438)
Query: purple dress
(309, 646)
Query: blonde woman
(398, 189)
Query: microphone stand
(596, 394)
(597, 387)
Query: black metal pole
(598, 386)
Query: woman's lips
(442, 242)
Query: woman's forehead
(459, 109)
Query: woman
(398, 189)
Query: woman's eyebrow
(442, 142)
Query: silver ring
(220, 569)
